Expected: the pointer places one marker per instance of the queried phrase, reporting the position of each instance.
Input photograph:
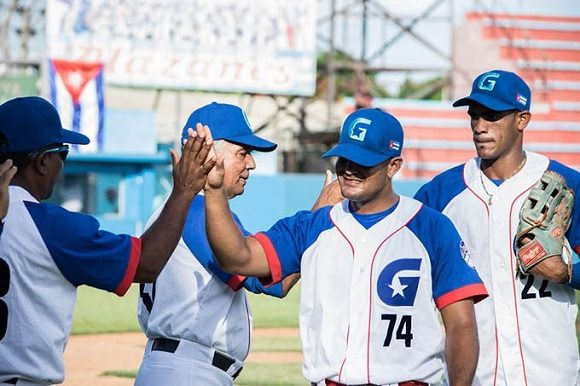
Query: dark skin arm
(553, 269)
(461, 342)
(288, 282)
(189, 176)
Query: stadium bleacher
(545, 50)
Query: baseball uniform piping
(371, 290)
(271, 256)
(476, 291)
(134, 258)
(514, 284)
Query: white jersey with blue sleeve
(368, 311)
(195, 300)
(526, 327)
(45, 253)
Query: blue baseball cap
(499, 90)
(227, 122)
(31, 123)
(368, 137)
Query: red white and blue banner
(76, 90)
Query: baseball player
(527, 325)
(47, 251)
(376, 269)
(197, 316)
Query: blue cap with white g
(499, 90)
(369, 137)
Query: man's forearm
(461, 343)
(161, 238)
(227, 241)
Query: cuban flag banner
(76, 90)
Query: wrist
(182, 194)
(214, 192)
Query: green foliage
(346, 79)
(427, 90)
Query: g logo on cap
(488, 81)
(356, 132)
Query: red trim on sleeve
(134, 258)
(577, 249)
(272, 257)
(236, 282)
(475, 291)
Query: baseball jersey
(194, 299)
(368, 309)
(526, 327)
(45, 253)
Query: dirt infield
(88, 356)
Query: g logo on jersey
(395, 286)
(488, 81)
(357, 132)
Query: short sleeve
(195, 237)
(83, 252)
(454, 274)
(442, 189)
(285, 242)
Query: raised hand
(215, 178)
(330, 193)
(7, 171)
(197, 159)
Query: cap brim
(485, 100)
(253, 141)
(357, 154)
(69, 136)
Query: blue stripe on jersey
(442, 188)
(446, 250)
(572, 178)
(304, 228)
(195, 238)
(83, 253)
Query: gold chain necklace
(489, 195)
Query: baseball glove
(544, 219)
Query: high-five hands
(198, 157)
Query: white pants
(185, 367)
